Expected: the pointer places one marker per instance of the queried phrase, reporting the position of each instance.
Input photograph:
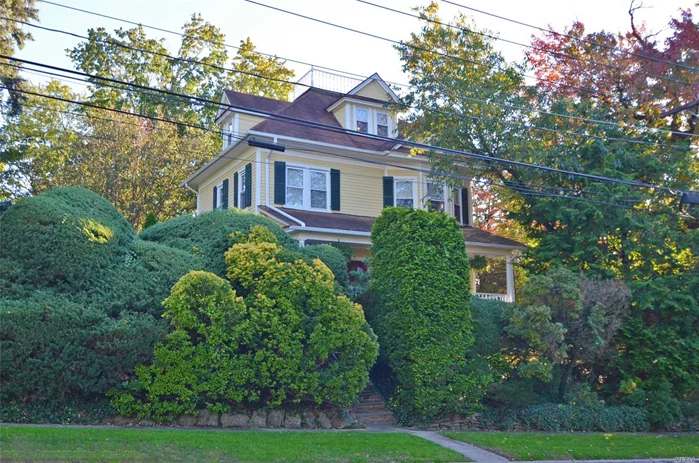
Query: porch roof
(360, 223)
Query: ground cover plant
(145, 445)
(541, 446)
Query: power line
(514, 21)
(494, 37)
(444, 91)
(414, 47)
(336, 129)
(221, 68)
(519, 187)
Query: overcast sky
(300, 39)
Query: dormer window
(362, 118)
(382, 124)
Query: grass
(33, 443)
(593, 446)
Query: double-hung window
(405, 193)
(242, 189)
(228, 135)
(307, 188)
(457, 205)
(436, 197)
(219, 196)
(382, 124)
(362, 117)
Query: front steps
(371, 410)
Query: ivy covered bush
(275, 333)
(420, 285)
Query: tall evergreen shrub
(422, 317)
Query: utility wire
(444, 91)
(524, 45)
(336, 129)
(220, 68)
(608, 47)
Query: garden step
(374, 398)
(369, 407)
(377, 417)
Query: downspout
(267, 191)
(195, 192)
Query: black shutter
(215, 195)
(236, 189)
(279, 182)
(248, 185)
(387, 191)
(334, 189)
(465, 217)
(224, 203)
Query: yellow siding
(226, 172)
(374, 90)
(247, 122)
(361, 186)
(340, 114)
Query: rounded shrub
(208, 235)
(276, 334)
(64, 237)
(333, 258)
(53, 350)
(420, 277)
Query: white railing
(493, 296)
(326, 81)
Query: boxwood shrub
(556, 417)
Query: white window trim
(219, 196)
(368, 118)
(307, 186)
(241, 185)
(389, 120)
(405, 179)
(449, 203)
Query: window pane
(294, 197)
(319, 199)
(382, 130)
(404, 203)
(362, 114)
(457, 212)
(294, 178)
(436, 206)
(435, 191)
(382, 119)
(404, 190)
(362, 126)
(319, 180)
(241, 180)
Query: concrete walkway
(469, 451)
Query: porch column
(510, 276)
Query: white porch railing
(493, 296)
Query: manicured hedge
(553, 417)
(54, 350)
(420, 279)
(488, 325)
(208, 235)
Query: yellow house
(330, 185)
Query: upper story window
(382, 121)
(436, 197)
(228, 135)
(404, 192)
(307, 188)
(362, 118)
(220, 195)
(457, 204)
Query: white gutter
(267, 203)
(333, 231)
(195, 192)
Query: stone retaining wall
(263, 418)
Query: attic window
(362, 116)
(382, 124)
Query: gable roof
(375, 77)
(251, 102)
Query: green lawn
(541, 446)
(28, 443)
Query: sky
(299, 39)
